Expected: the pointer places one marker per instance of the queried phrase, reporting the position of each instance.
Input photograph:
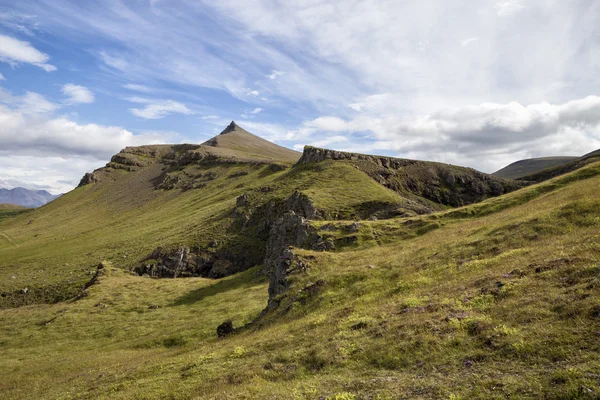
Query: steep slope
(530, 166)
(25, 197)
(494, 300)
(236, 139)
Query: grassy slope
(11, 210)
(500, 301)
(239, 140)
(53, 250)
(530, 166)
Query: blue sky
(479, 84)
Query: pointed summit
(230, 128)
(236, 139)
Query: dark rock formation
(88, 179)
(225, 329)
(280, 261)
(441, 183)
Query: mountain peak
(230, 128)
(238, 140)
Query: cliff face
(444, 184)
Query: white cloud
(253, 93)
(161, 109)
(29, 103)
(114, 62)
(508, 7)
(138, 88)
(43, 150)
(2, 78)
(256, 110)
(78, 94)
(210, 117)
(466, 42)
(486, 136)
(15, 52)
(274, 74)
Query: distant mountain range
(25, 197)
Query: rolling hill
(207, 210)
(25, 197)
(344, 276)
(529, 166)
(570, 166)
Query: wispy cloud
(275, 74)
(161, 109)
(77, 94)
(138, 88)
(2, 78)
(15, 52)
(508, 7)
(466, 42)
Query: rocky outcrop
(440, 183)
(314, 154)
(88, 179)
(280, 261)
(214, 261)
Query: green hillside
(530, 166)
(214, 202)
(345, 276)
(499, 300)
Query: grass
(495, 300)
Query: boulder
(225, 329)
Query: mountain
(236, 140)
(529, 166)
(325, 275)
(25, 197)
(573, 165)
(208, 210)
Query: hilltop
(344, 276)
(570, 166)
(25, 197)
(529, 166)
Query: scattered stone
(353, 228)
(13, 277)
(468, 363)
(24, 291)
(225, 329)
(153, 307)
(371, 267)
(242, 200)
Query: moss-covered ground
(496, 300)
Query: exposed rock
(441, 183)
(88, 179)
(290, 230)
(353, 227)
(24, 291)
(302, 205)
(182, 262)
(225, 329)
(242, 200)
(99, 273)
